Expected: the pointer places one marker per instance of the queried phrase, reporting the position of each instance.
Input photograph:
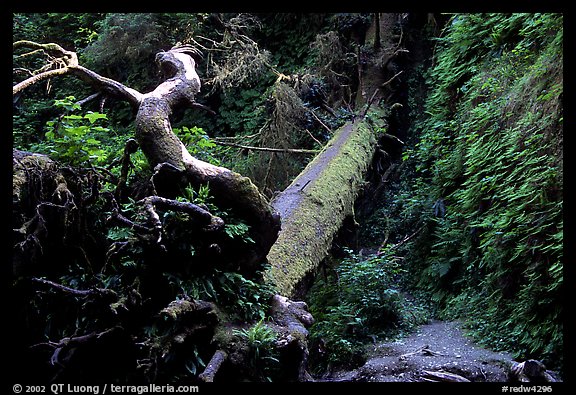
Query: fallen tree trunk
(213, 366)
(443, 377)
(315, 205)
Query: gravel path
(440, 346)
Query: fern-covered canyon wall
(484, 179)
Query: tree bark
(213, 366)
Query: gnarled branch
(67, 63)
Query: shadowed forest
(222, 197)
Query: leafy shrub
(358, 303)
(75, 139)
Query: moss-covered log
(315, 205)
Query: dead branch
(404, 240)
(37, 78)
(266, 149)
(66, 62)
(213, 366)
(63, 61)
(393, 138)
(313, 138)
(369, 103)
(211, 222)
(115, 215)
(202, 107)
(319, 121)
(424, 350)
(444, 377)
(77, 292)
(328, 109)
(391, 79)
(72, 342)
(130, 147)
(89, 98)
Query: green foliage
(127, 37)
(288, 37)
(198, 143)
(29, 122)
(242, 298)
(97, 252)
(490, 153)
(261, 355)
(245, 298)
(238, 230)
(367, 284)
(357, 303)
(75, 139)
(92, 247)
(69, 29)
(242, 110)
(259, 337)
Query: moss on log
(314, 206)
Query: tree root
(291, 320)
(208, 221)
(102, 292)
(530, 371)
(69, 343)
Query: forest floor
(439, 346)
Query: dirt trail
(439, 346)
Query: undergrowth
(357, 302)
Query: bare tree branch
(76, 292)
(67, 63)
(283, 150)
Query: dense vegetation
(82, 238)
(469, 223)
(490, 152)
(476, 208)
